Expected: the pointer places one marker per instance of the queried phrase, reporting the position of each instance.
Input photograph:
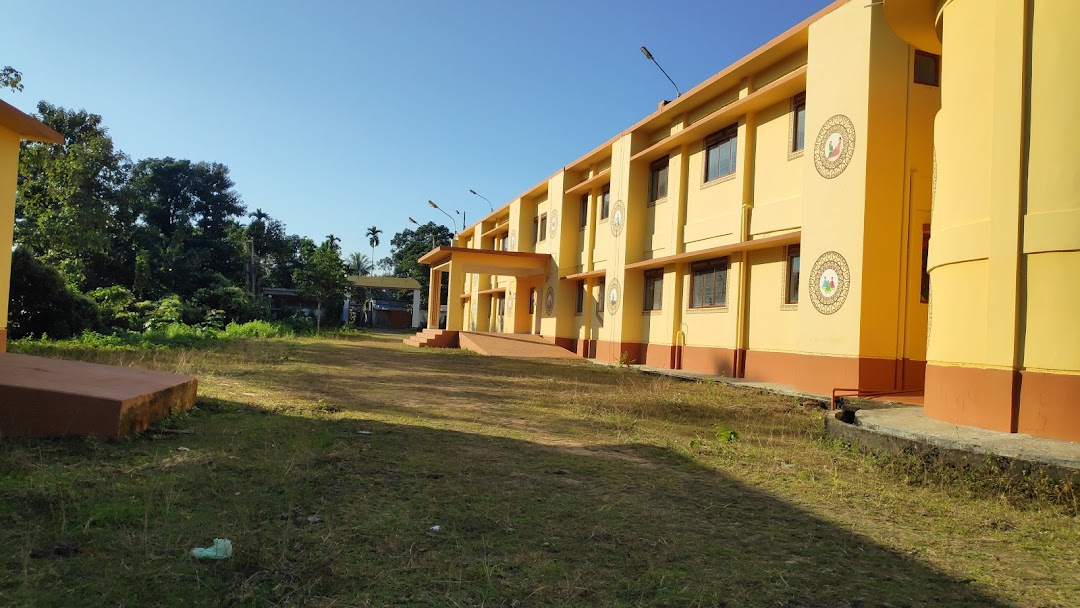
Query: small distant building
(387, 312)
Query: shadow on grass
(339, 511)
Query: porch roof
(488, 261)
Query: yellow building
(15, 127)
(774, 222)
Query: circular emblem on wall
(513, 240)
(835, 146)
(614, 293)
(829, 282)
(553, 221)
(618, 218)
(549, 301)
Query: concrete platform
(526, 346)
(896, 423)
(42, 397)
(911, 423)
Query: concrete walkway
(901, 417)
(525, 346)
(910, 423)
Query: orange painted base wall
(1034, 403)
(811, 373)
(3, 340)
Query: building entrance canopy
(486, 261)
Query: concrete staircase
(433, 338)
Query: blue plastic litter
(221, 549)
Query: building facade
(880, 198)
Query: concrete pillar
(416, 309)
(433, 298)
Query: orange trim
(592, 180)
(26, 126)
(584, 275)
(1048, 405)
(972, 396)
(443, 253)
(3, 339)
(497, 229)
(712, 252)
(777, 90)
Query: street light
(432, 236)
(475, 193)
(454, 221)
(648, 55)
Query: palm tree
(373, 239)
(359, 264)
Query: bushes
(176, 335)
(43, 303)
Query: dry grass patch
(328, 462)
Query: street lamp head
(414, 221)
(645, 51)
(471, 191)
(432, 204)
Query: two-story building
(775, 222)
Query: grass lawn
(329, 462)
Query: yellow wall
(773, 325)
(837, 82)
(975, 232)
(1051, 224)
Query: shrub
(116, 306)
(234, 303)
(255, 329)
(43, 303)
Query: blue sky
(334, 116)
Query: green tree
(10, 78)
(373, 240)
(359, 264)
(276, 253)
(322, 277)
(188, 229)
(69, 211)
(408, 246)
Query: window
(532, 301)
(580, 297)
(708, 286)
(658, 180)
(605, 202)
(654, 290)
(543, 227)
(791, 289)
(798, 122)
(924, 288)
(505, 241)
(720, 149)
(583, 212)
(602, 299)
(536, 230)
(927, 68)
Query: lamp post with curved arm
(452, 220)
(475, 193)
(432, 236)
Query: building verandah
(476, 300)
